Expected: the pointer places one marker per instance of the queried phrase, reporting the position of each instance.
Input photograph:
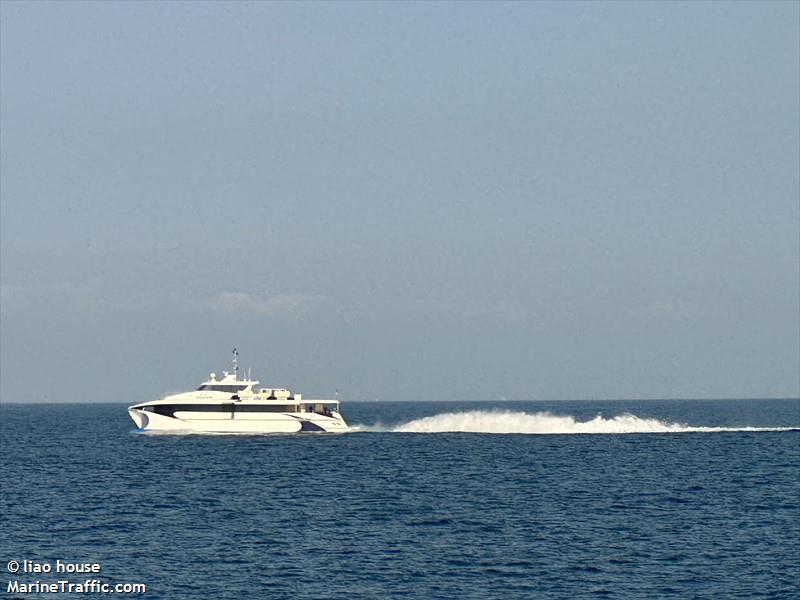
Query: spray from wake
(480, 421)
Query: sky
(400, 201)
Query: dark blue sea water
(386, 514)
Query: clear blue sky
(401, 200)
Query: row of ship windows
(170, 409)
(234, 389)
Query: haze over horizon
(401, 201)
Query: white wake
(481, 421)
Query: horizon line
(377, 400)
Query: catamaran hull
(225, 422)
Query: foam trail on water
(480, 421)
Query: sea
(590, 499)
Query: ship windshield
(218, 387)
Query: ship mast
(235, 364)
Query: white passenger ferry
(233, 405)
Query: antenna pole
(235, 365)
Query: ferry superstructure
(233, 405)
